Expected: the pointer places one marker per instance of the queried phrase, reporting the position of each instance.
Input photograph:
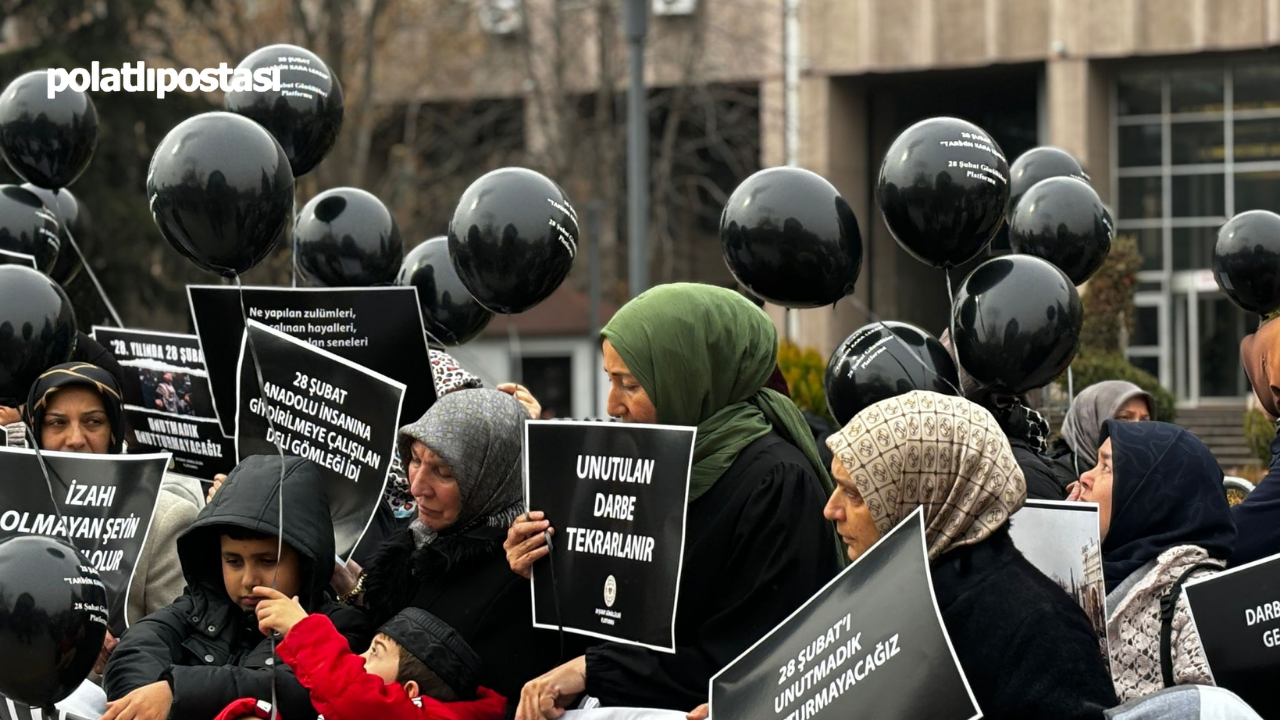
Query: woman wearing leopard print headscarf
(1027, 649)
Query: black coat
(1042, 475)
(1026, 647)
(1258, 517)
(756, 548)
(1065, 464)
(207, 646)
(465, 581)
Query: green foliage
(1259, 432)
(804, 370)
(1108, 317)
(1091, 368)
(1108, 299)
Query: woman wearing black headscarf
(1164, 519)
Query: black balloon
(47, 141)
(53, 619)
(789, 237)
(1017, 323)
(305, 114)
(1040, 163)
(1246, 261)
(346, 237)
(449, 313)
(513, 239)
(943, 190)
(73, 219)
(1063, 220)
(28, 227)
(884, 360)
(221, 191)
(37, 329)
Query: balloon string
(293, 258)
(951, 328)
(266, 405)
(94, 277)
(909, 352)
(48, 481)
(1071, 398)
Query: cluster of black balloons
(221, 191)
(945, 190)
(48, 142)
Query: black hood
(250, 498)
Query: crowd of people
(232, 611)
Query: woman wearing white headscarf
(1027, 649)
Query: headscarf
(1015, 418)
(448, 375)
(1166, 491)
(1096, 404)
(478, 434)
(76, 374)
(1264, 375)
(702, 354)
(942, 453)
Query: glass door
(1207, 330)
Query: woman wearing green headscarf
(756, 547)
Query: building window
(550, 379)
(1192, 146)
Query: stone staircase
(1222, 429)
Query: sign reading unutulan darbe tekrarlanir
(617, 496)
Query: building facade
(1172, 106)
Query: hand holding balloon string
(278, 613)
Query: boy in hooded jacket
(192, 658)
(418, 668)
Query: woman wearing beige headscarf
(1027, 649)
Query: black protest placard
(617, 495)
(168, 405)
(1062, 540)
(104, 508)
(871, 644)
(8, 257)
(1237, 614)
(378, 328)
(329, 410)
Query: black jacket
(465, 581)
(1063, 459)
(1026, 647)
(208, 647)
(1043, 481)
(756, 548)
(1258, 517)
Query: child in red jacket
(418, 668)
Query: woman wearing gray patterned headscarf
(1076, 451)
(463, 460)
